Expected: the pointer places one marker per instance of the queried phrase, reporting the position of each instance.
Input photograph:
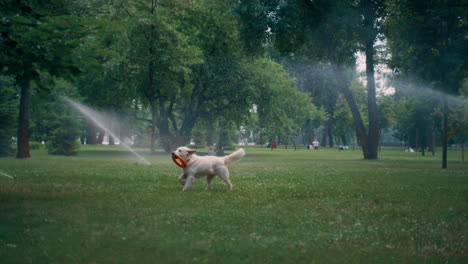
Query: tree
(202, 78)
(8, 112)
(427, 43)
(36, 38)
(372, 13)
(281, 108)
(415, 122)
(317, 80)
(161, 55)
(343, 120)
(330, 31)
(220, 90)
(47, 108)
(458, 132)
(64, 139)
(387, 113)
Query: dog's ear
(190, 152)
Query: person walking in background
(316, 144)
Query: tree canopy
(179, 71)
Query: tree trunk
(294, 144)
(310, 132)
(153, 129)
(210, 139)
(184, 134)
(358, 124)
(23, 122)
(111, 140)
(327, 132)
(416, 147)
(91, 137)
(324, 138)
(373, 133)
(100, 138)
(343, 140)
(445, 133)
(431, 143)
(165, 137)
(423, 142)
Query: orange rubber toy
(179, 161)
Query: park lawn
(287, 206)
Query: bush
(7, 148)
(35, 145)
(8, 115)
(65, 139)
(200, 139)
(195, 146)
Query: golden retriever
(209, 166)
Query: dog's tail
(235, 156)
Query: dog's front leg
(188, 183)
(183, 179)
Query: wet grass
(286, 207)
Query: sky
(381, 70)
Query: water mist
(98, 119)
(6, 175)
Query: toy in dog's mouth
(179, 161)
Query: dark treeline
(173, 72)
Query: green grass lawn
(286, 206)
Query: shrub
(7, 147)
(8, 114)
(35, 145)
(64, 139)
(200, 139)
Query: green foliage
(343, 120)
(64, 139)
(226, 136)
(458, 126)
(44, 35)
(200, 139)
(47, 108)
(35, 145)
(323, 30)
(8, 115)
(415, 119)
(254, 24)
(387, 111)
(427, 41)
(280, 107)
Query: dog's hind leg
(209, 178)
(223, 173)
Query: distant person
(341, 148)
(345, 147)
(409, 149)
(316, 144)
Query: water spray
(93, 116)
(419, 90)
(6, 175)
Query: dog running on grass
(195, 167)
